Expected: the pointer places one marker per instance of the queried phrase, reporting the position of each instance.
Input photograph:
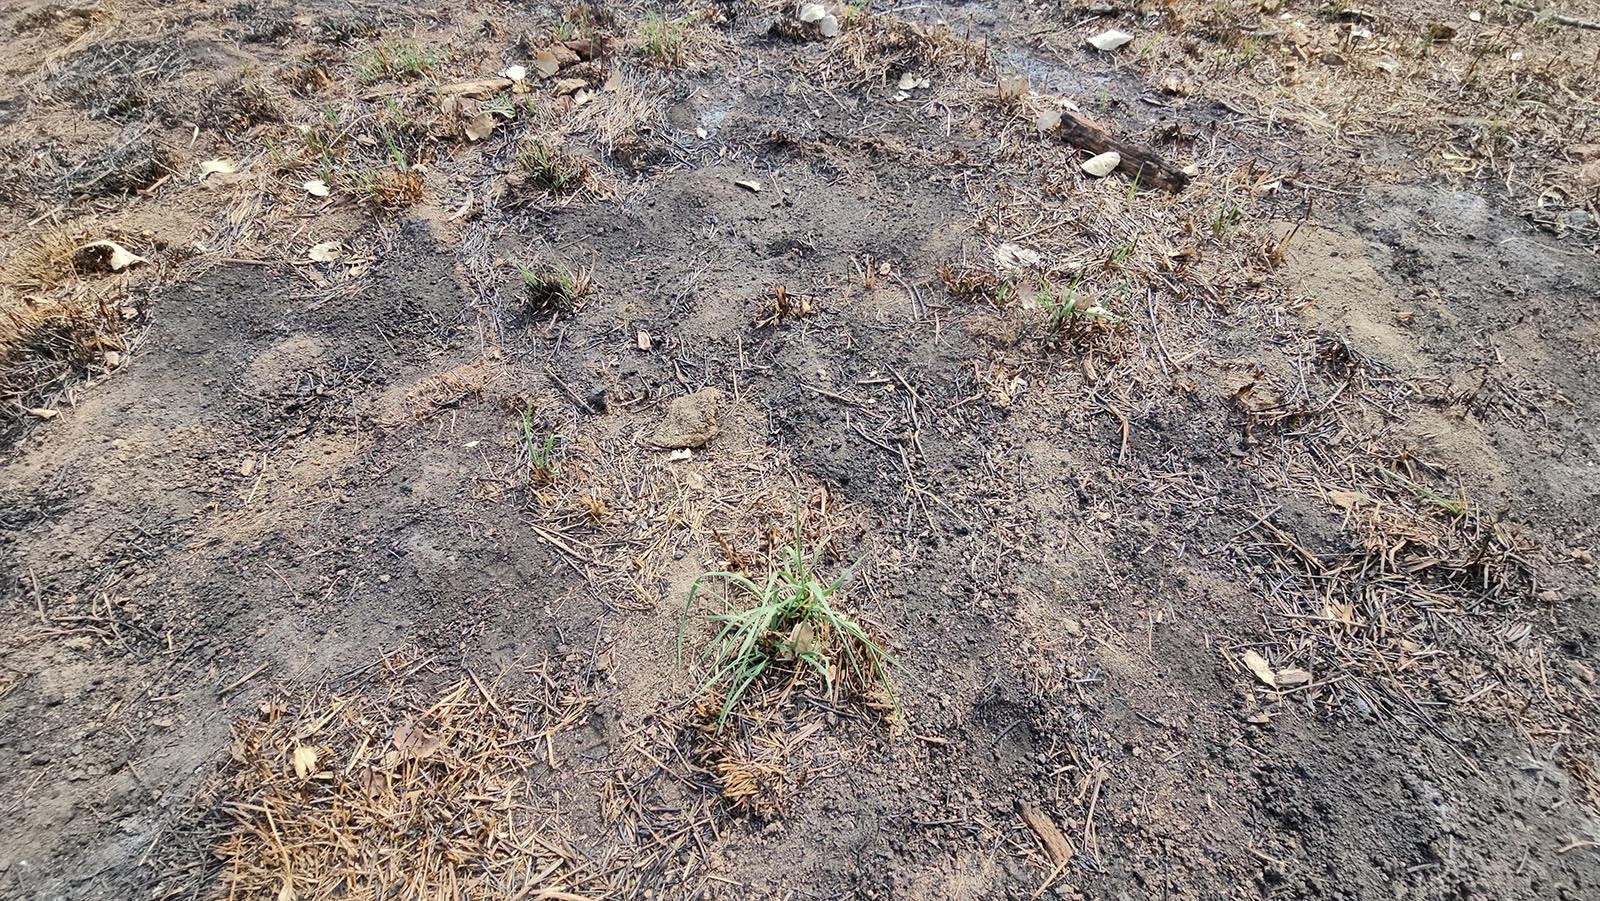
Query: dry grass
(52, 324)
(1501, 100)
(879, 48)
(359, 797)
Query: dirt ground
(1232, 538)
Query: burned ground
(1228, 541)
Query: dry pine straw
(357, 797)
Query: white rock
(1110, 40)
(1103, 164)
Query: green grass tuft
(791, 617)
(663, 41)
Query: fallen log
(1143, 165)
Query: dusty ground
(1232, 542)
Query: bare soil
(1233, 541)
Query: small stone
(691, 420)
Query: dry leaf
(287, 892)
(479, 127)
(117, 257)
(829, 26)
(546, 64)
(1103, 164)
(1110, 39)
(515, 73)
(1012, 257)
(226, 167)
(803, 640)
(812, 12)
(613, 81)
(43, 413)
(316, 187)
(414, 741)
(1047, 120)
(305, 762)
(644, 340)
(1258, 665)
(1289, 678)
(1012, 88)
(326, 252)
(753, 187)
(1347, 500)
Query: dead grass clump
(309, 74)
(260, 22)
(625, 126)
(53, 14)
(133, 160)
(117, 80)
(385, 188)
(235, 104)
(755, 766)
(783, 306)
(347, 29)
(362, 797)
(876, 48)
(47, 341)
(972, 284)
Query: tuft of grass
(1456, 507)
(1226, 221)
(1069, 314)
(395, 60)
(541, 454)
(548, 167)
(553, 287)
(791, 618)
(664, 41)
(385, 187)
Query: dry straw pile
(352, 798)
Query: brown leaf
(1258, 665)
(1057, 845)
(479, 127)
(305, 762)
(546, 64)
(414, 741)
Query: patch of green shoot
(540, 452)
(789, 617)
(663, 40)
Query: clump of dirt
(690, 420)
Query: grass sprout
(663, 40)
(790, 618)
(541, 453)
(1454, 506)
(1067, 312)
